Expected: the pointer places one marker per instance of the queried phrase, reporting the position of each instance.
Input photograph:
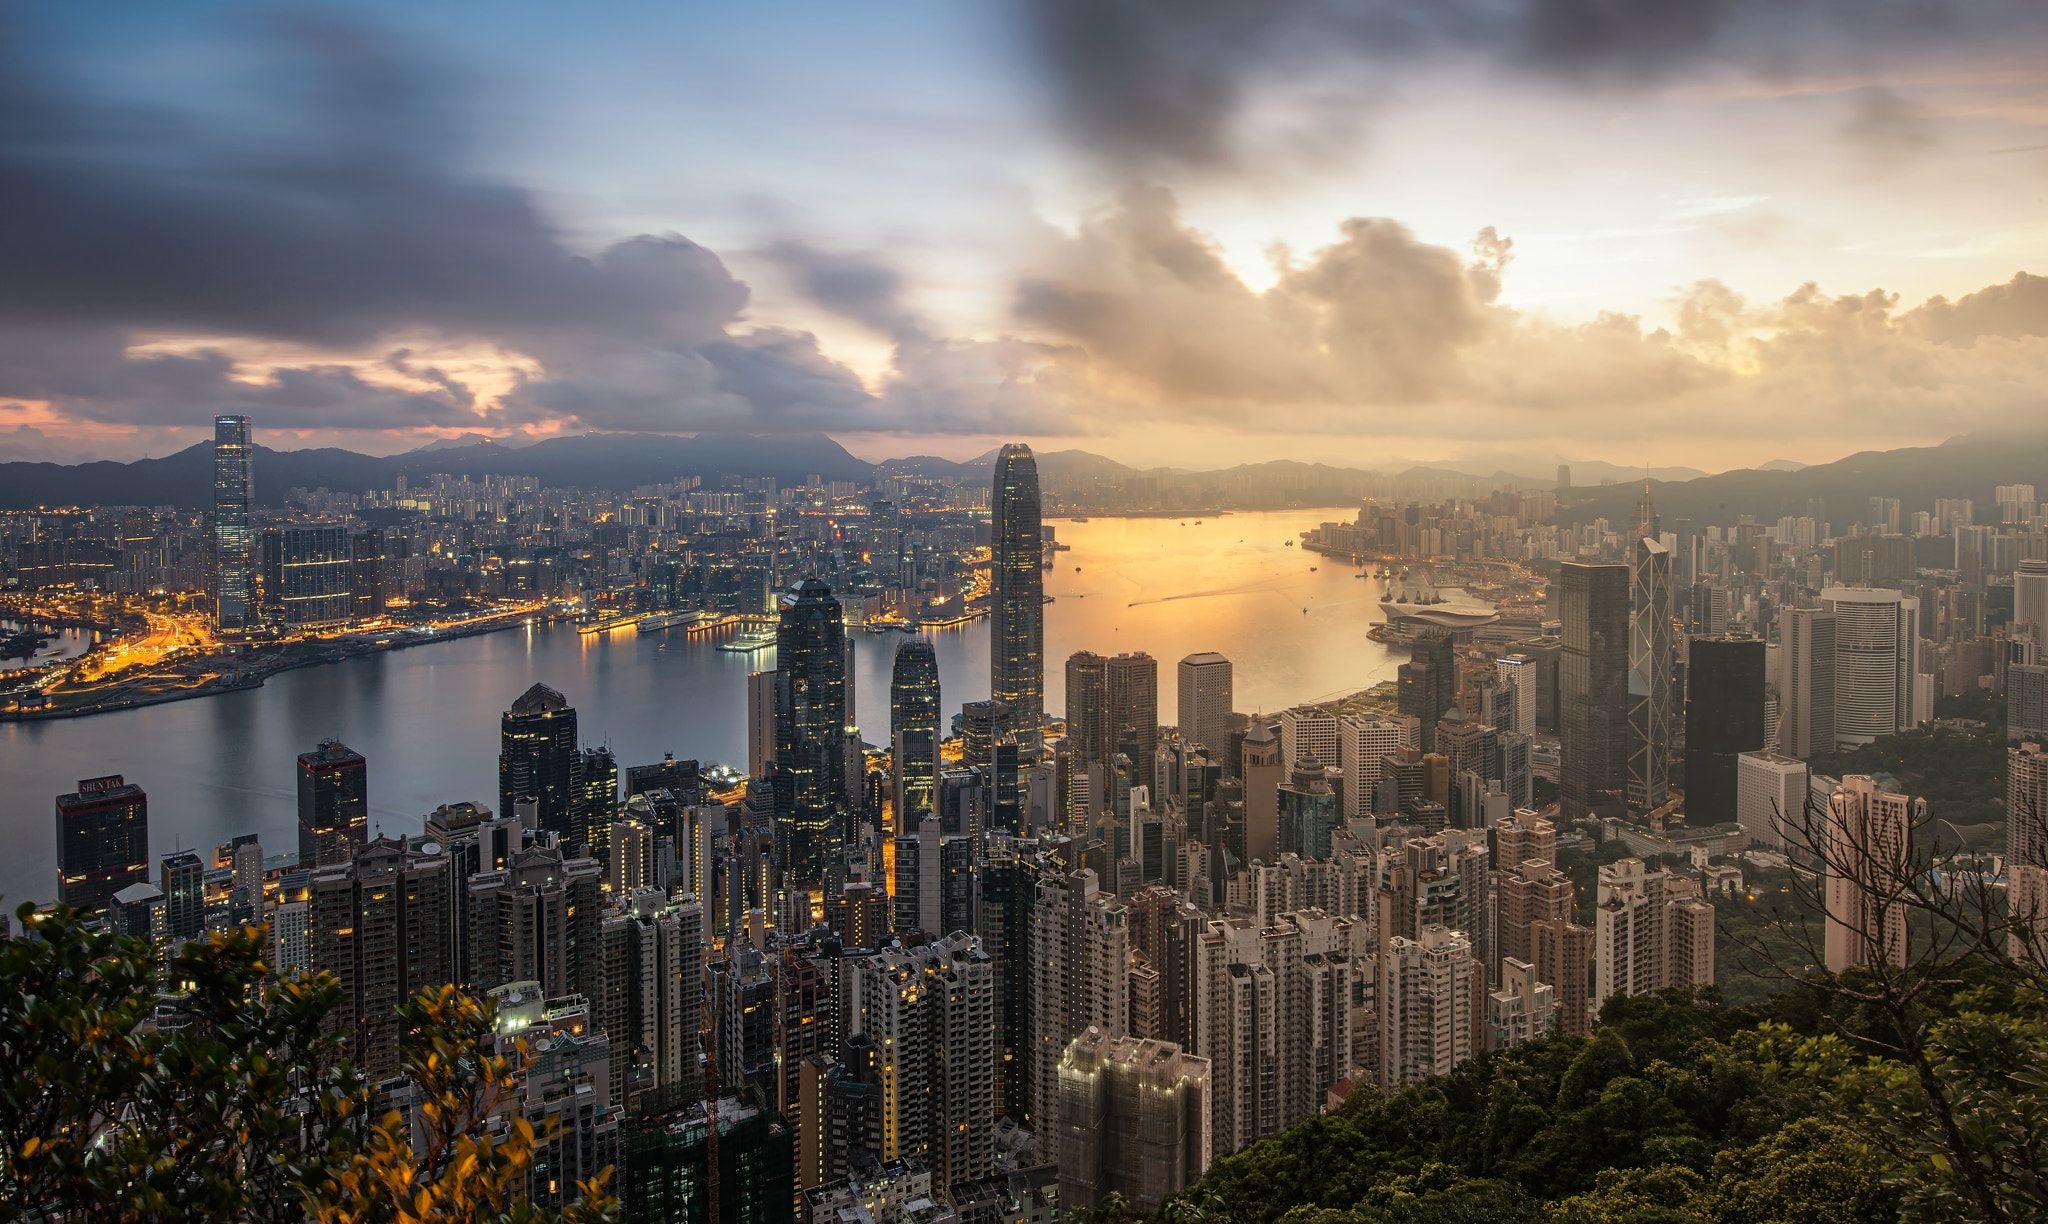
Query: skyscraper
(760, 723)
(1593, 686)
(1205, 700)
(1079, 954)
(1724, 718)
(234, 540)
(2030, 597)
(1089, 737)
(1432, 1005)
(182, 877)
(1806, 683)
(383, 924)
(810, 727)
(1133, 715)
(1017, 643)
(1877, 639)
(1650, 659)
(537, 758)
(1428, 683)
(334, 806)
(538, 919)
(102, 840)
(308, 572)
(931, 1013)
(914, 706)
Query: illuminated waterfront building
(1017, 602)
(234, 540)
(914, 729)
(102, 841)
(334, 806)
(810, 729)
(537, 758)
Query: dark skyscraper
(182, 878)
(597, 793)
(1724, 718)
(334, 806)
(102, 841)
(1017, 650)
(1593, 687)
(810, 727)
(1427, 685)
(537, 758)
(234, 540)
(1134, 712)
(914, 729)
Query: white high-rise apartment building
(1867, 871)
(1651, 932)
(1877, 637)
(1432, 1006)
(1770, 796)
(1206, 696)
(1080, 949)
(1363, 742)
(1305, 732)
(1521, 1009)
(2030, 597)
(1518, 673)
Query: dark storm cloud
(1167, 82)
(861, 286)
(337, 211)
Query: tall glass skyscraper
(334, 804)
(1017, 654)
(537, 758)
(1650, 663)
(1593, 602)
(234, 541)
(914, 729)
(810, 729)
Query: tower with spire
(1651, 652)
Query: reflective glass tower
(234, 541)
(334, 806)
(810, 728)
(914, 729)
(537, 758)
(1593, 687)
(1650, 660)
(1017, 656)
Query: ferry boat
(609, 623)
(748, 643)
(1413, 596)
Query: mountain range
(1963, 467)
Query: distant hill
(1968, 466)
(597, 461)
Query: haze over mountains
(1967, 466)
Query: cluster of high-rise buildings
(1000, 963)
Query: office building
(1206, 697)
(914, 705)
(1432, 1006)
(1651, 659)
(1518, 672)
(1263, 774)
(1308, 733)
(1877, 637)
(1017, 602)
(1133, 1119)
(760, 723)
(810, 730)
(537, 758)
(1806, 682)
(1593, 602)
(1770, 800)
(1867, 872)
(384, 924)
(1132, 680)
(234, 539)
(1724, 718)
(1427, 685)
(308, 570)
(182, 878)
(334, 804)
(102, 841)
(930, 1012)
(1364, 742)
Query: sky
(1175, 232)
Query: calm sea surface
(427, 717)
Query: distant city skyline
(1392, 234)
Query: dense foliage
(231, 1099)
(1959, 770)
(1677, 1111)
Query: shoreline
(264, 669)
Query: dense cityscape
(1024, 612)
(989, 963)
